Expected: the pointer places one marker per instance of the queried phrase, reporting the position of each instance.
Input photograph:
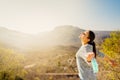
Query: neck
(83, 43)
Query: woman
(85, 55)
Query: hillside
(47, 52)
(13, 39)
(61, 35)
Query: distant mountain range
(62, 35)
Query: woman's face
(84, 36)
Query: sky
(34, 16)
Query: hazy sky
(33, 16)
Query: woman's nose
(80, 35)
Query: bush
(111, 47)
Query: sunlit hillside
(61, 35)
(46, 52)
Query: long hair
(91, 42)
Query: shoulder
(88, 48)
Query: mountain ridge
(61, 35)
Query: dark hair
(91, 42)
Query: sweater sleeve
(100, 54)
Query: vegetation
(111, 47)
(10, 64)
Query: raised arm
(106, 58)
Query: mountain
(61, 35)
(13, 39)
(101, 35)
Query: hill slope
(62, 35)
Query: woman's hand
(110, 61)
(90, 56)
(113, 63)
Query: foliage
(10, 64)
(111, 47)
